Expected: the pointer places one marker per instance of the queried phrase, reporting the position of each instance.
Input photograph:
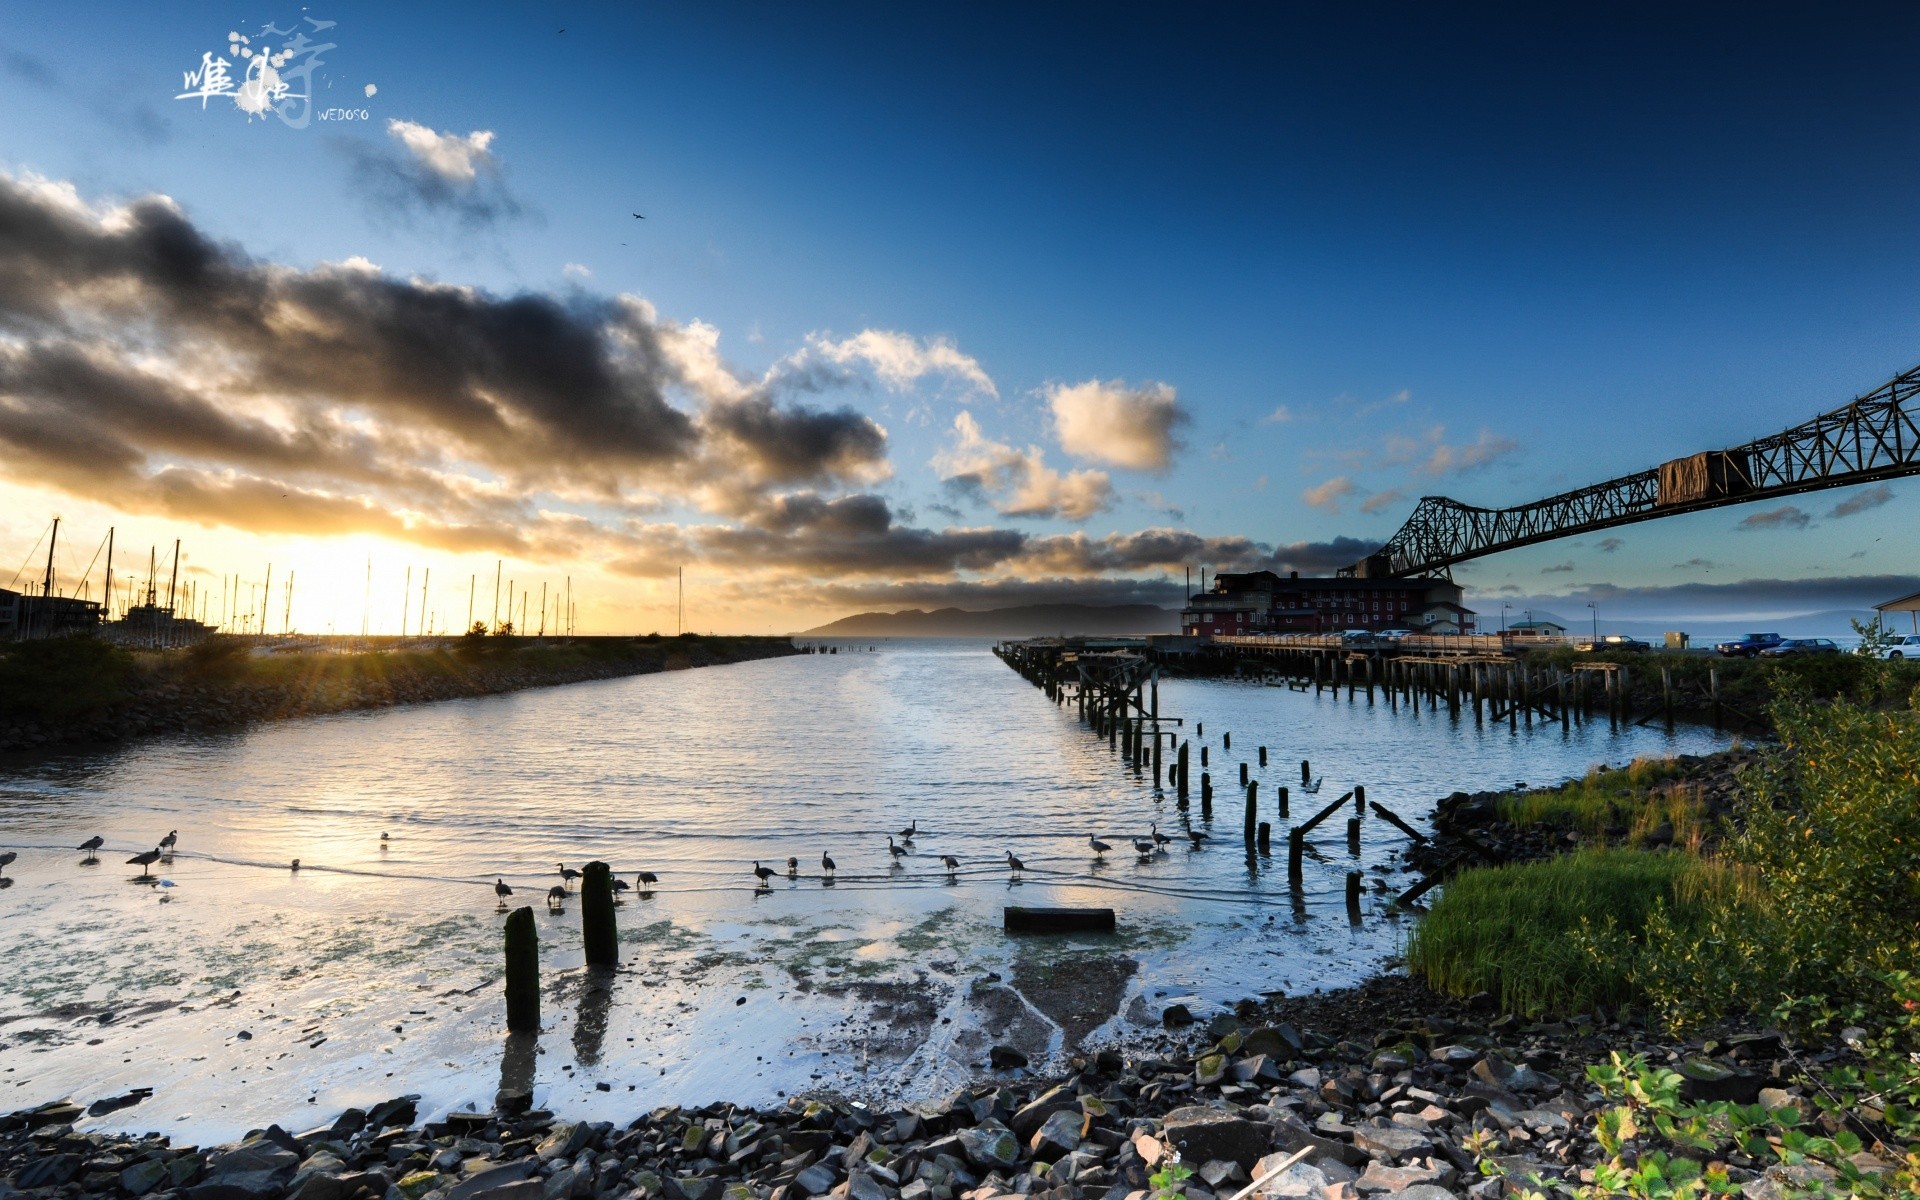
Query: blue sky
(1369, 252)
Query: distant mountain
(1025, 620)
(1706, 630)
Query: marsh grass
(1528, 933)
(1630, 804)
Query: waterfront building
(1264, 602)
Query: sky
(935, 305)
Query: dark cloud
(1557, 568)
(1004, 593)
(1608, 545)
(789, 445)
(1785, 517)
(399, 188)
(1862, 500)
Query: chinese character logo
(275, 79)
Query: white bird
(1099, 847)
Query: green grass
(1630, 802)
(1519, 932)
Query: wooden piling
(1353, 897)
(597, 926)
(522, 946)
(1253, 813)
(1243, 774)
(1263, 756)
(1295, 840)
(1282, 792)
(1203, 757)
(1226, 740)
(1392, 819)
(1306, 771)
(1266, 838)
(1713, 689)
(1206, 794)
(1181, 768)
(1353, 836)
(1359, 800)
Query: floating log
(1417, 890)
(1016, 919)
(1381, 811)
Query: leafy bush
(58, 679)
(1635, 800)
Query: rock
(1218, 1171)
(1290, 1135)
(1059, 1136)
(401, 1110)
(815, 1180)
(1307, 1077)
(1027, 1121)
(567, 1141)
(1275, 1041)
(336, 1187)
(1390, 1142)
(1150, 1149)
(1258, 1069)
(101, 1107)
(57, 1112)
(142, 1177)
(689, 1187)
(348, 1123)
(1210, 1069)
(1176, 1015)
(1005, 1058)
(1775, 1099)
(1379, 1177)
(416, 1184)
(1206, 1133)
(253, 1170)
(482, 1183)
(862, 1186)
(51, 1171)
(1424, 1191)
(512, 1102)
(1223, 1025)
(990, 1146)
(1498, 1072)
(1705, 1080)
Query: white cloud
(1018, 482)
(1380, 500)
(576, 270)
(1430, 454)
(1109, 422)
(454, 158)
(1329, 494)
(1280, 415)
(901, 360)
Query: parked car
(1791, 646)
(1749, 646)
(1356, 635)
(1615, 641)
(1903, 645)
(1394, 635)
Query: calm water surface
(374, 970)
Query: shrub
(59, 679)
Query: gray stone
(1026, 1122)
(1290, 1134)
(565, 1141)
(1259, 1069)
(1219, 1171)
(1176, 1015)
(990, 1146)
(816, 1180)
(1205, 1133)
(1379, 1177)
(1306, 1077)
(51, 1171)
(690, 1187)
(319, 1186)
(1059, 1136)
(1390, 1142)
(1005, 1058)
(1209, 1069)
(142, 1177)
(1424, 1191)
(862, 1186)
(1276, 1041)
(1704, 1080)
(484, 1183)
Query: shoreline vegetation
(1687, 977)
(78, 691)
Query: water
(374, 969)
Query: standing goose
(567, 875)
(826, 864)
(383, 841)
(167, 842)
(620, 885)
(1099, 847)
(91, 845)
(1144, 847)
(1159, 839)
(147, 858)
(293, 866)
(953, 864)
(763, 873)
(1197, 837)
(913, 827)
(793, 867)
(1014, 865)
(6, 860)
(647, 880)
(556, 896)
(501, 890)
(898, 852)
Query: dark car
(1800, 646)
(1615, 641)
(1749, 646)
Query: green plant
(1168, 1179)
(1874, 637)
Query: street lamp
(1596, 623)
(1504, 606)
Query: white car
(1902, 645)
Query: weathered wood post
(1713, 687)
(1206, 794)
(1266, 838)
(1294, 843)
(1243, 774)
(1353, 897)
(1666, 692)
(1263, 756)
(1283, 802)
(522, 945)
(1353, 836)
(1360, 800)
(1306, 771)
(1180, 768)
(596, 916)
(1226, 740)
(1203, 758)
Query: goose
(826, 864)
(293, 866)
(764, 873)
(1099, 847)
(647, 880)
(90, 845)
(1312, 785)
(1197, 837)
(1014, 865)
(147, 858)
(556, 896)
(953, 864)
(1159, 839)
(167, 842)
(383, 840)
(1144, 847)
(620, 885)
(898, 852)
(913, 827)
(501, 890)
(793, 867)
(6, 859)
(567, 875)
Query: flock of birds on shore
(1145, 847)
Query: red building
(1263, 602)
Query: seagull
(647, 880)
(638, 217)
(913, 827)
(567, 875)
(898, 852)
(556, 896)
(826, 864)
(90, 845)
(1159, 839)
(793, 867)
(1014, 865)
(7, 859)
(1099, 847)
(764, 873)
(167, 842)
(953, 864)
(147, 858)
(501, 890)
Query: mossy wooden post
(523, 972)
(596, 916)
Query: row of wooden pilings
(1494, 688)
(1123, 706)
(521, 943)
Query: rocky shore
(1382, 1090)
(170, 697)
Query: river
(244, 992)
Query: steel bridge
(1872, 438)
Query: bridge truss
(1876, 436)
